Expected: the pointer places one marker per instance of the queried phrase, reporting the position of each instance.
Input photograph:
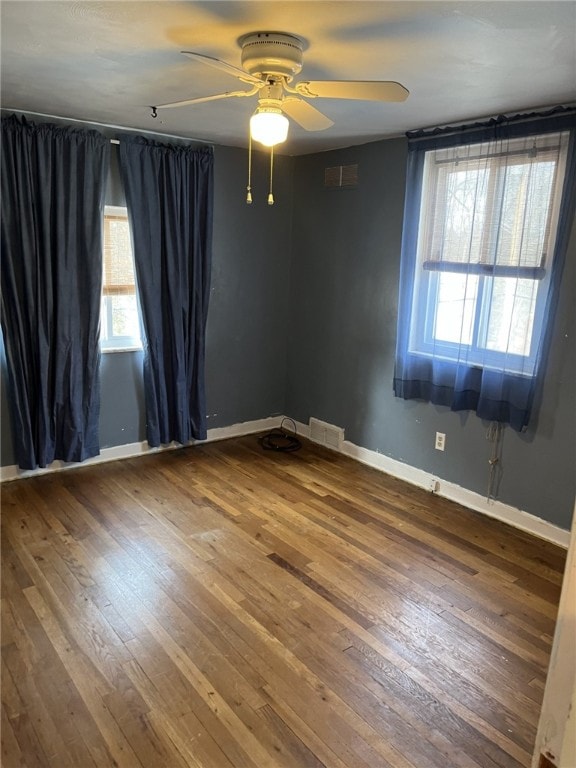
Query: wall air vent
(341, 176)
(326, 434)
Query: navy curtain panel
(169, 195)
(495, 379)
(53, 183)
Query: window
(487, 220)
(120, 325)
(487, 229)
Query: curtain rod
(450, 129)
(107, 125)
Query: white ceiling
(105, 62)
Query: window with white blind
(119, 321)
(487, 229)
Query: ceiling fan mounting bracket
(272, 53)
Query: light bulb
(269, 126)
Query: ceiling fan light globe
(269, 126)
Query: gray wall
(247, 321)
(345, 270)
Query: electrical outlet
(440, 443)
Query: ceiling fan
(270, 60)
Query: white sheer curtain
(487, 216)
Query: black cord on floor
(280, 440)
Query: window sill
(505, 366)
(106, 350)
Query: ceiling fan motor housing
(272, 53)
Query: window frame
(116, 343)
(428, 270)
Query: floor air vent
(326, 434)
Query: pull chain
(249, 187)
(270, 195)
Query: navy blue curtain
(169, 195)
(498, 387)
(53, 183)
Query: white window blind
(118, 264)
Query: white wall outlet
(440, 443)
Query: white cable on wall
(494, 434)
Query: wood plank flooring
(222, 606)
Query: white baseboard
(12, 472)
(470, 499)
(496, 509)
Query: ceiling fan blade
(241, 74)
(305, 114)
(215, 97)
(366, 90)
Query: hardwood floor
(227, 606)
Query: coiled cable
(278, 439)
